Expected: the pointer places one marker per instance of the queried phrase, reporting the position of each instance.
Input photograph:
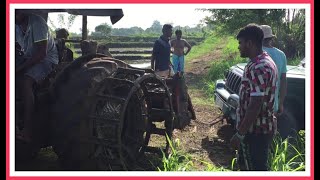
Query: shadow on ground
(218, 147)
(47, 160)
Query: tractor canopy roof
(114, 14)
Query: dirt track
(206, 138)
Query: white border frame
(12, 171)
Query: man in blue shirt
(40, 53)
(160, 59)
(280, 60)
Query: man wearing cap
(280, 60)
(66, 54)
(257, 124)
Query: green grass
(288, 154)
(284, 155)
(230, 57)
(211, 167)
(71, 47)
(200, 100)
(231, 46)
(45, 160)
(294, 61)
(177, 160)
(204, 48)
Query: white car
(302, 62)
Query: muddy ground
(207, 137)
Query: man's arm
(283, 83)
(254, 107)
(40, 33)
(155, 50)
(188, 46)
(152, 61)
(172, 44)
(251, 115)
(283, 91)
(257, 91)
(39, 55)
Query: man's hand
(235, 142)
(280, 110)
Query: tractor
(98, 112)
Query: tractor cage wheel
(110, 125)
(127, 107)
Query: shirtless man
(178, 46)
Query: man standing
(66, 54)
(40, 53)
(160, 59)
(281, 61)
(178, 52)
(257, 123)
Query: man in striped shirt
(257, 123)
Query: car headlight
(220, 83)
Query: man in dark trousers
(257, 123)
(160, 59)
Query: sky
(142, 16)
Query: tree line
(155, 29)
(287, 24)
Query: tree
(155, 28)
(233, 19)
(287, 24)
(103, 29)
(62, 22)
(127, 31)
